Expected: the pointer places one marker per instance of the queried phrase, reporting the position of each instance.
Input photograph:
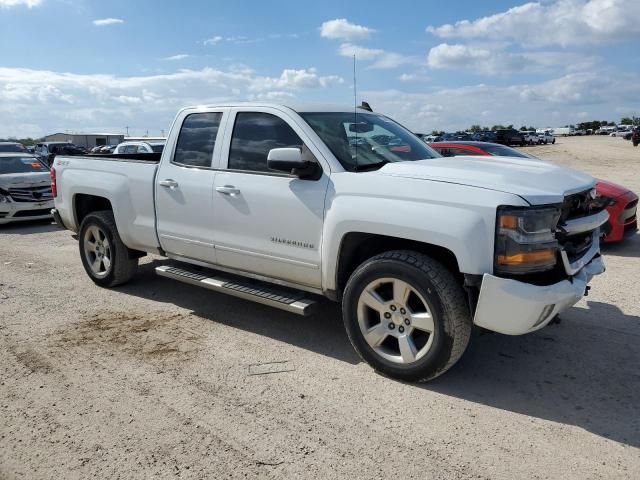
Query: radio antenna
(355, 111)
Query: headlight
(525, 239)
(4, 196)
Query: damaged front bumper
(515, 308)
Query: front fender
(466, 228)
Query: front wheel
(406, 315)
(107, 260)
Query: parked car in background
(12, 147)
(25, 188)
(620, 202)
(47, 151)
(622, 205)
(418, 248)
(485, 136)
(510, 136)
(531, 137)
(457, 136)
(107, 149)
(621, 132)
(560, 131)
(546, 137)
(454, 149)
(139, 147)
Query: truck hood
(31, 179)
(536, 181)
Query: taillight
(54, 189)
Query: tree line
(591, 125)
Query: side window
(197, 139)
(254, 134)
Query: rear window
(21, 165)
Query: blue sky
(85, 65)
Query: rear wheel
(107, 260)
(406, 315)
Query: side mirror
(291, 161)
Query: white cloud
(107, 21)
(37, 102)
(379, 58)
(180, 56)
(342, 29)
(413, 77)
(552, 103)
(294, 80)
(15, 3)
(237, 39)
(213, 40)
(559, 22)
(494, 61)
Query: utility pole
(127, 131)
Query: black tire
(124, 262)
(446, 300)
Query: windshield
(371, 142)
(21, 165)
(503, 151)
(157, 147)
(12, 148)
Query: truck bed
(126, 181)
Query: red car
(620, 202)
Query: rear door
(268, 223)
(184, 185)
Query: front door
(184, 186)
(267, 222)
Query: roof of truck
(298, 107)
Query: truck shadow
(29, 227)
(322, 333)
(629, 247)
(584, 372)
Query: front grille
(33, 213)
(31, 194)
(579, 205)
(575, 207)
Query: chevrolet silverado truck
(282, 205)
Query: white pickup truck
(281, 204)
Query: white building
(86, 140)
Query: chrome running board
(259, 292)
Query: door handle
(169, 183)
(228, 190)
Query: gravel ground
(159, 379)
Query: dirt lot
(158, 379)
